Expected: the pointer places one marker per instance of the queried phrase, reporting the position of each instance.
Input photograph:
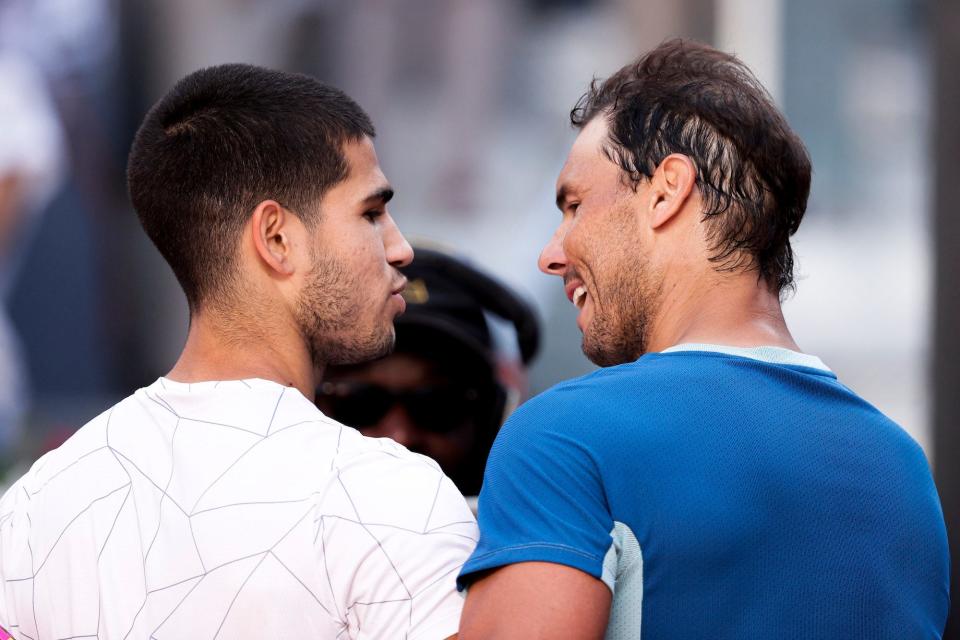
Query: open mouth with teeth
(580, 296)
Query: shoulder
(359, 453)
(67, 462)
(385, 482)
(591, 417)
(605, 385)
(38, 506)
(587, 403)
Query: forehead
(363, 167)
(364, 185)
(586, 156)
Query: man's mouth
(398, 289)
(579, 296)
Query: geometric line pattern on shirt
(379, 544)
(128, 466)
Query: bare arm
(536, 600)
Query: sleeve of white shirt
(407, 531)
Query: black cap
(448, 296)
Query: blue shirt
(722, 496)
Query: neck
(232, 348)
(733, 310)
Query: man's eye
(373, 214)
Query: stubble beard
(619, 332)
(332, 319)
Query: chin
(602, 358)
(356, 349)
(609, 353)
(389, 344)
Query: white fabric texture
(773, 355)
(226, 510)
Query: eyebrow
(383, 195)
(562, 193)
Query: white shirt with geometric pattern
(230, 510)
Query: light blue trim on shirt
(773, 355)
(623, 574)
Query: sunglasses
(437, 409)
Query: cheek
(574, 240)
(360, 253)
(586, 247)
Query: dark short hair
(753, 172)
(220, 142)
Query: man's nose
(553, 261)
(398, 251)
(398, 426)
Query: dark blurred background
(471, 98)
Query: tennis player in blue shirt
(711, 480)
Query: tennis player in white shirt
(218, 502)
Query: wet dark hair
(220, 142)
(753, 172)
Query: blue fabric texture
(769, 500)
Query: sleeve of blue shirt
(542, 497)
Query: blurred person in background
(710, 480)
(70, 252)
(219, 499)
(32, 158)
(448, 386)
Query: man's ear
(270, 226)
(670, 188)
